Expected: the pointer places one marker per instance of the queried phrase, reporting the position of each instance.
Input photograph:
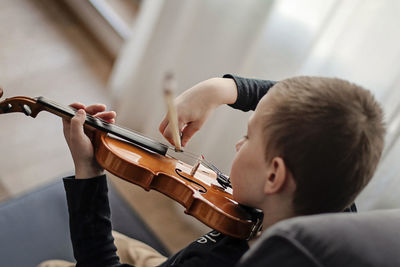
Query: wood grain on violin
(144, 162)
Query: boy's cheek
(236, 193)
(237, 187)
(233, 167)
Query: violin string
(129, 131)
(112, 125)
(202, 158)
(191, 155)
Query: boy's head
(326, 133)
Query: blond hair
(330, 134)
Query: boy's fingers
(181, 125)
(96, 108)
(189, 131)
(163, 125)
(76, 128)
(65, 126)
(168, 132)
(167, 135)
(77, 105)
(92, 109)
(109, 115)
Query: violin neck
(104, 126)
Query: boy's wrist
(88, 172)
(224, 90)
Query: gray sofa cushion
(34, 227)
(343, 239)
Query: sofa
(342, 239)
(34, 227)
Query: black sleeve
(93, 243)
(90, 224)
(250, 91)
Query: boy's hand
(195, 105)
(78, 139)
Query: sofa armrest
(342, 239)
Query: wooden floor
(44, 51)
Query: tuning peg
(27, 110)
(6, 108)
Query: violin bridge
(196, 166)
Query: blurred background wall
(117, 52)
(355, 40)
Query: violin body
(144, 162)
(197, 194)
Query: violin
(205, 194)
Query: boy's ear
(276, 176)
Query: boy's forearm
(223, 90)
(90, 223)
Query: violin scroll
(22, 104)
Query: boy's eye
(246, 137)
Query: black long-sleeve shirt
(90, 223)
(250, 91)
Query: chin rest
(34, 227)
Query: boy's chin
(239, 199)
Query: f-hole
(203, 190)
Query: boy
(312, 145)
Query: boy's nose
(239, 144)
